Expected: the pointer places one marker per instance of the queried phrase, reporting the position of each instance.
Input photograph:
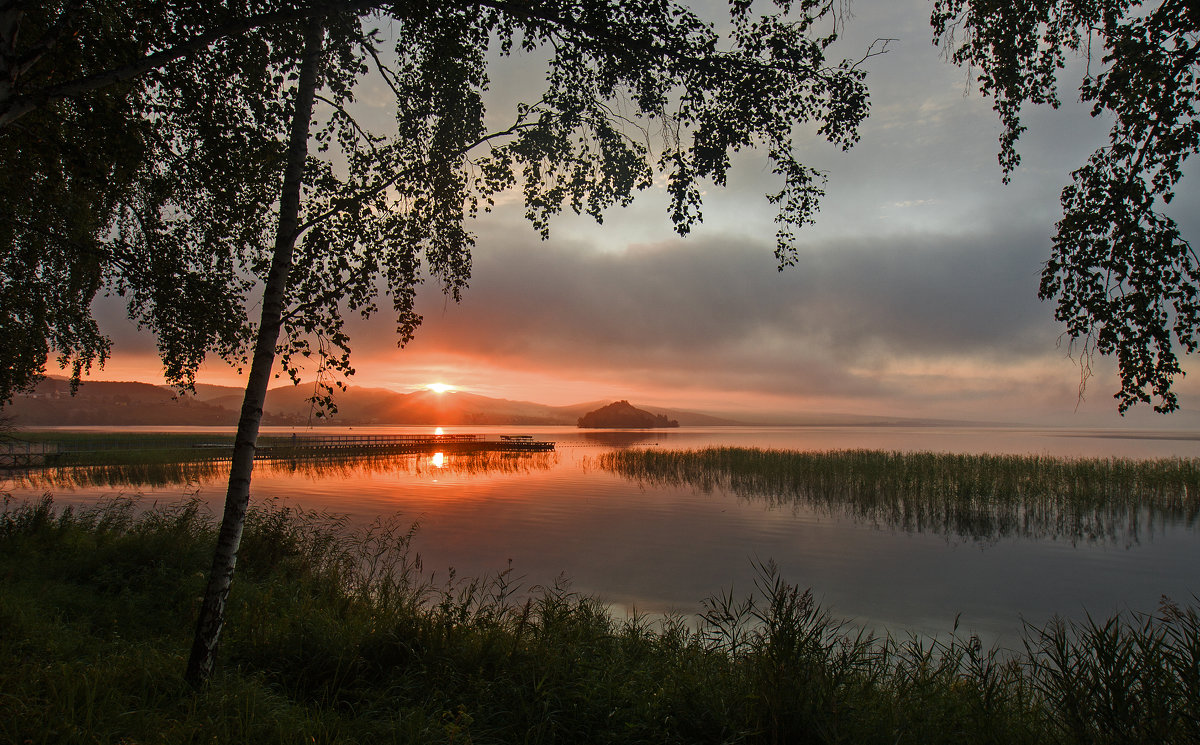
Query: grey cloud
(910, 294)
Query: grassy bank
(334, 636)
(976, 496)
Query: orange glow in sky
(914, 295)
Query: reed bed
(338, 636)
(347, 466)
(982, 497)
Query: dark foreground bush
(335, 636)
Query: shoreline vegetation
(345, 467)
(981, 497)
(71, 449)
(336, 635)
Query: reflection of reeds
(345, 467)
(120, 474)
(458, 464)
(976, 496)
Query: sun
(439, 387)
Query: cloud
(847, 300)
(872, 321)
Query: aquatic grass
(130, 450)
(347, 466)
(982, 497)
(113, 475)
(338, 635)
(468, 463)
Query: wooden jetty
(275, 446)
(27, 454)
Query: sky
(915, 293)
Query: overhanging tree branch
(15, 105)
(342, 205)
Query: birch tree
(633, 90)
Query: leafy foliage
(1124, 277)
(632, 89)
(152, 188)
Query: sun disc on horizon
(439, 387)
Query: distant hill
(119, 404)
(624, 415)
(130, 404)
(365, 406)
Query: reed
(346, 466)
(338, 635)
(982, 497)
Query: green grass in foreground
(334, 636)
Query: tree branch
(17, 106)
(342, 205)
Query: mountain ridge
(132, 403)
(103, 402)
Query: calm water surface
(659, 549)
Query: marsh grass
(347, 467)
(458, 464)
(130, 448)
(337, 635)
(161, 454)
(981, 497)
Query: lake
(661, 548)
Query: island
(623, 415)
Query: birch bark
(212, 611)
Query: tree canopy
(154, 133)
(129, 167)
(1125, 279)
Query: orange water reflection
(343, 471)
(663, 546)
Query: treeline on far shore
(338, 635)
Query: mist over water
(887, 560)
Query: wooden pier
(27, 454)
(274, 446)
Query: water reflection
(980, 497)
(341, 468)
(620, 439)
(118, 475)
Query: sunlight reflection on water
(662, 547)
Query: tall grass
(977, 496)
(348, 467)
(338, 636)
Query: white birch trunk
(212, 612)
